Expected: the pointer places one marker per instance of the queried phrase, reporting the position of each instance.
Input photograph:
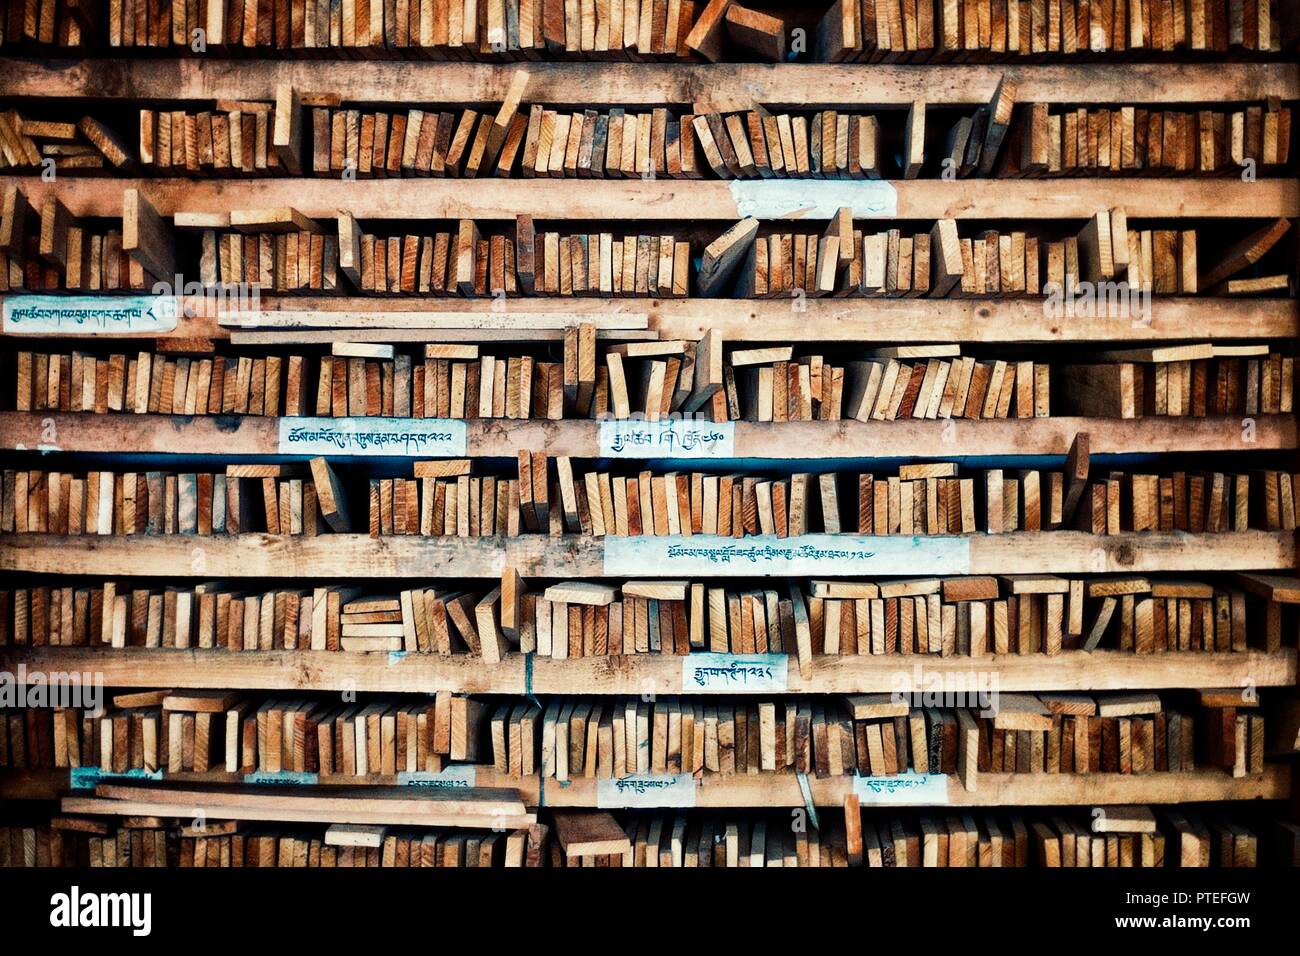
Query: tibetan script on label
(672, 438)
(376, 437)
(905, 789)
(456, 777)
(88, 314)
(85, 778)
(822, 554)
(676, 790)
(267, 777)
(734, 673)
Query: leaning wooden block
(145, 237)
(1021, 712)
(330, 497)
(1127, 705)
(589, 834)
(580, 592)
(876, 706)
(200, 701)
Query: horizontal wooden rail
(716, 86)
(782, 790)
(682, 199)
(399, 673)
(357, 556)
(321, 320)
(225, 435)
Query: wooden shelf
(570, 556)
(594, 85)
(773, 790)
(322, 320)
(229, 435)
(676, 199)
(423, 673)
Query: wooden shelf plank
(772, 790)
(228, 435)
(320, 319)
(674, 199)
(357, 556)
(833, 674)
(421, 673)
(721, 85)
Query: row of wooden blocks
(105, 503)
(235, 138)
(672, 376)
(971, 616)
(572, 737)
(334, 618)
(181, 731)
(61, 253)
(250, 138)
(468, 264)
(1126, 837)
(1190, 380)
(968, 616)
(973, 30)
(92, 262)
(922, 500)
(1129, 140)
(459, 30)
(590, 144)
(283, 250)
(926, 499)
(867, 734)
(851, 30)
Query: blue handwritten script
(372, 436)
(271, 778)
(459, 777)
(672, 438)
(735, 673)
(85, 778)
(79, 314)
(904, 788)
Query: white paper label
(802, 199)
(455, 777)
(674, 438)
(904, 789)
(646, 791)
(734, 673)
(822, 554)
(88, 314)
(377, 437)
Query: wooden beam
(674, 199)
(290, 320)
(782, 790)
(499, 438)
(826, 86)
(1103, 670)
(535, 555)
